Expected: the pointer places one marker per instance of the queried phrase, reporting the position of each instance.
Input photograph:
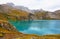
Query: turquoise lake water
(38, 27)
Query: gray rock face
(23, 8)
(6, 8)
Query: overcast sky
(50, 5)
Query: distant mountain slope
(11, 12)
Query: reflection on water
(39, 27)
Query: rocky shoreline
(10, 33)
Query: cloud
(50, 5)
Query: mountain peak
(10, 4)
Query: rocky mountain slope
(11, 12)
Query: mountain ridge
(23, 13)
